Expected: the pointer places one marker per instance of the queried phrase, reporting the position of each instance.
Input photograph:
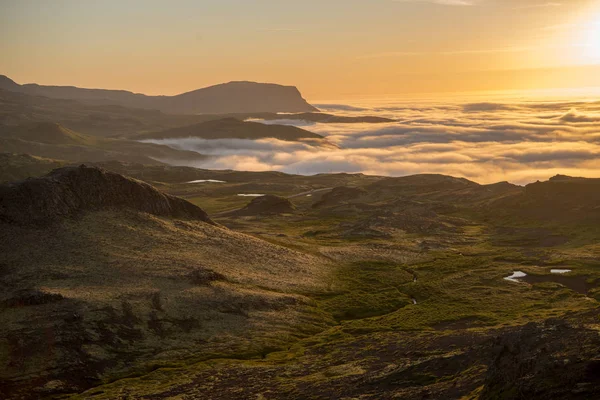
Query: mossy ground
(307, 311)
(461, 298)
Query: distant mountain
(233, 128)
(232, 97)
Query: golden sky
(327, 48)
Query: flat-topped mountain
(71, 190)
(232, 97)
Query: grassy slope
(369, 330)
(55, 141)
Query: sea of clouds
(517, 141)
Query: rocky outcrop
(71, 190)
(554, 360)
(268, 205)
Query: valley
(332, 286)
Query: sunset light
(300, 199)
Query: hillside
(232, 128)
(16, 167)
(232, 97)
(124, 279)
(51, 140)
(70, 191)
(561, 198)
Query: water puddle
(516, 276)
(250, 195)
(206, 181)
(579, 284)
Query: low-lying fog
(517, 141)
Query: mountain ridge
(230, 97)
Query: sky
(329, 49)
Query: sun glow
(590, 41)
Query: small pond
(577, 283)
(206, 181)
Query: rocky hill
(267, 205)
(128, 279)
(560, 198)
(71, 190)
(232, 97)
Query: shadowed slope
(138, 280)
(52, 140)
(68, 191)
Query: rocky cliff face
(71, 190)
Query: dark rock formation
(556, 360)
(266, 205)
(69, 191)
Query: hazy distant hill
(232, 97)
(51, 140)
(232, 128)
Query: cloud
(538, 5)
(479, 107)
(483, 141)
(575, 117)
(339, 107)
(442, 2)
